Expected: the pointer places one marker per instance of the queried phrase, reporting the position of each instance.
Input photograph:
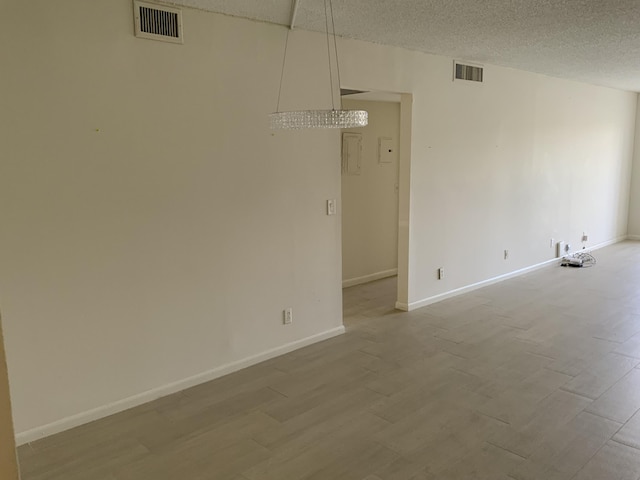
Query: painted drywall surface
(153, 227)
(507, 164)
(370, 199)
(634, 199)
(8, 460)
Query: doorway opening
(375, 206)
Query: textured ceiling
(594, 41)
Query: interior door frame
(404, 196)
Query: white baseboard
(633, 237)
(469, 288)
(350, 282)
(485, 283)
(608, 242)
(153, 394)
(402, 306)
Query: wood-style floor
(536, 377)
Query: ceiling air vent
(157, 22)
(471, 73)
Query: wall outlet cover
(287, 316)
(331, 206)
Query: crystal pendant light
(319, 118)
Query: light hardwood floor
(537, 377)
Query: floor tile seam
(541, 356)
(612, 386)
(369, 354)
(534, 416)
(586, 410)
(382, 445)
(560, 372)
(367, 387)
(634, 447)
(492, 417)
(515, 327)
(614, 383)
(539, 402)
(621, 425)
(447, 339)
(506, 450)
(464, 372)
(274, 390)
(624, 423)
(573, 392)
(620, 354)
(287, 442)
(390, 448)
(375, 414)
(584, 465)
(608, 340)
(637, 364)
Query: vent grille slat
(468, 72)
(157, 22)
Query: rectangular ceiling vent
(471, 73)
(157, 22)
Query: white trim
(155, 393)
(402, 306)
(633, 237)
(622, 238)
(484, 283)
(350, 282)
(474, 286)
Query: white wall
(508, 164)
(8, 459)
(370, 199)
(153, 228)
(634, 201)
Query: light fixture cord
(326, 22)
(335, 46)
(284, 62)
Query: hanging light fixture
(334, 118)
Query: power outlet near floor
(331, 206)
(287, 316)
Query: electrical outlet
(585, 237)
(506, 254)
(287, 316)
(331, 206)
(551, 243)
(440, 273)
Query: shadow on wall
(8, 462)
